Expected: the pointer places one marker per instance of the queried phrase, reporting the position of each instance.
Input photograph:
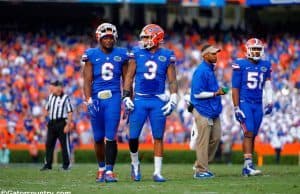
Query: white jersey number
(152, 68)
(107, 71)
(254, 80)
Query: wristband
(126, 93)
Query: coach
(205, 97)
(60, 116)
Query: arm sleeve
(127, 55)
(172, 58)
(269, 71)
(69, 105)
(204, 95)
(269, 92)
(132, 53)
(85, 56)
(236, 76)
(48, 103)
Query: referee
(60, 116)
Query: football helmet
(151, 35)
(106, 29)
(255, 49)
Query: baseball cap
(56, 83)
(209, 49)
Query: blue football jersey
(250, 78)
(107, 68)
(151, 70)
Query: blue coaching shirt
(204, 80)
(151, 70)
(250, 79)
(107, 68)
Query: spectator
(45, 56)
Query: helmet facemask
(151, 35)
(255, 52)
(255, 49)
(106, 29)
(146, 41)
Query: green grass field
(81, 179)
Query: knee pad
(133, 145)
(111, 151)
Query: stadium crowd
(30, 61)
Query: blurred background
(44, 40)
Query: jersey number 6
(107, 71)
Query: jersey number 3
(152, 68)
(107, 71)
(254, 80)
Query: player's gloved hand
(239, 115)
(268, 109)
(170, 106)
(91, 108)
(129, 106)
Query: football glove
(90, 107)
(239, 114)
(170, 106)
(129, 106)
(268, 109)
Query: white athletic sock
(135, 161)
(157, 165)
(134, 158)
(247, 162)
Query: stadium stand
(30, 59)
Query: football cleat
(100, 176)
(211, 174)
(158, 178)
(45, 168)
(203, 175)
(134, 176)
(249, 170)
(110, 177)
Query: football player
(104, 66)
(151, 65)
(250, 76)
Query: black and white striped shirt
(58, 107)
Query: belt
(57, 120)
(253, 101)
